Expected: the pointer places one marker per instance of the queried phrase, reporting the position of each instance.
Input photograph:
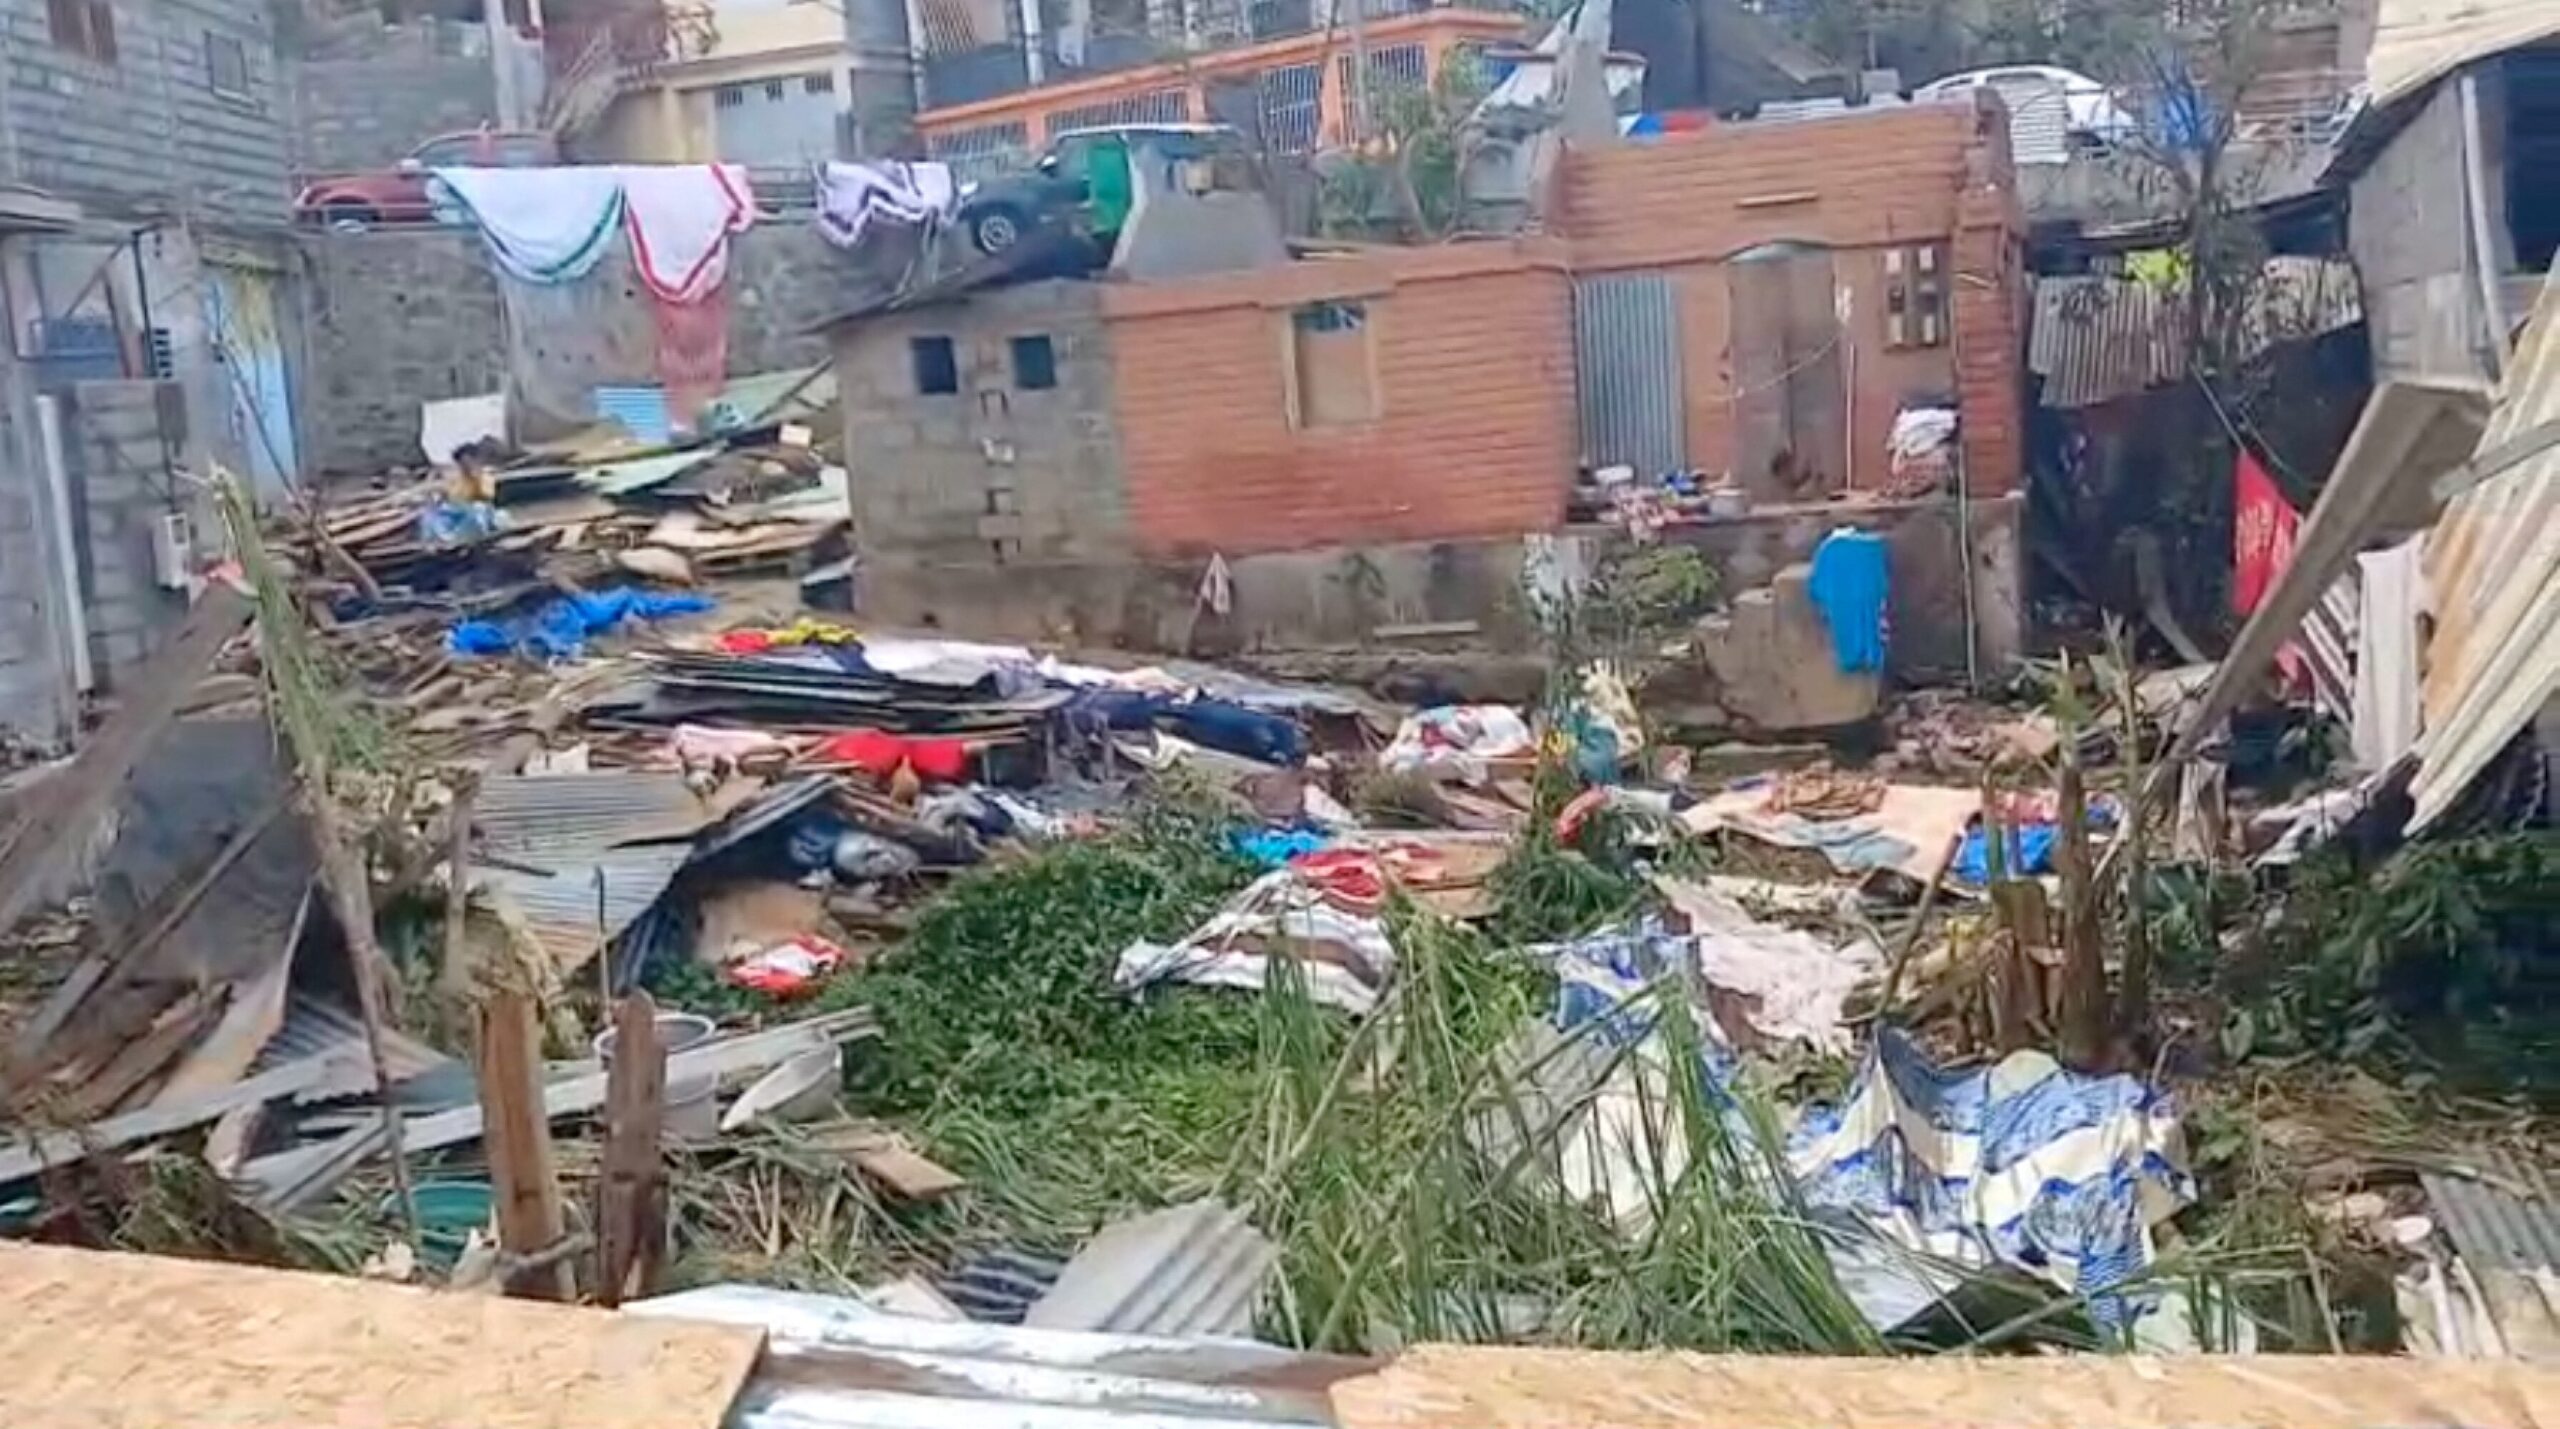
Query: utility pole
(880, 112)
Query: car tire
(343, 213)
(994, 230)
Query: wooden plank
(25, 1156)
(583, 1093)
(631, 1198)
(58, 814)
(901, 1170)
(528, 1187)
(128, 1341)
(1460, 1387)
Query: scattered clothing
(787, 969)
(1454, 741)
(1849, 583)
(852, 197)
(1920, 452)
(545, 225)
(446, 522)
(2263, 524)
(1238, 729)
(1272, 848)
(680, 217)
(2386, 690)
(879, 752)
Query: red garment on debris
(747, 642)
(876, 751)
(2263, 526)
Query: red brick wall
(1858, 184)
(1474, 433)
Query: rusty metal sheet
(2417, 42)
(2493, 577)
(579, 857)
(2094, 339)
(837, 1363)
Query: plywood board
(1454, 1387)
(110, 1341)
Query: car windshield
(521, 151)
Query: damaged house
(1359, 440)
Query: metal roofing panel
(2094, 339)
(1193, 1269)
(566, 910)
(841, 1364)
(315, 1027)
(2493, 571)
(2417, 42)
(533, 814)
(2505, 1218)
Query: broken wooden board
(54, 820)
(1464, 1387)
(119, 1341)
(901, 1170)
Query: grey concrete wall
(991, 476)
(393, 318)
(149, 125)
(121, 487)
(365, 93)
(1927, 591)
(2408, 232)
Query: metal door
(1626, 354)
(1790, 407)
(240, 313)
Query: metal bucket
(692, 1105)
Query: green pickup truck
(1085, 183)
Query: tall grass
(1417, 1180)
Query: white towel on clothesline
(544, 225)
(681, 216)
(851, 197)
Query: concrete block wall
(121, 486)
(994, 475)
(397, 317)
(2407, 230)
(148, 123)
(365, 93)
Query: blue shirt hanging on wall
(1848, 587)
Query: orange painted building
(1300, 85)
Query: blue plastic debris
(559, 630)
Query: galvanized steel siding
(1626, 351)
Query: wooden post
(631, 1198)
(454, 977)
(518, 1135)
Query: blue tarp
(559, 630)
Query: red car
(400, 196)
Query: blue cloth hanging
(1850, 575)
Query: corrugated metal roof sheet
(2505, 1218)
(630, 831)
(1194, 1269)
(314, 1027)
(2094, 339)
(2417, 42)
(834, 1363)
(2493, 571)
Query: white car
(2089, 108)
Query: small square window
(1332, 367)
(226, 65)
(86, 27)
(773, 90)
(1035, 363)
(937, 365)
(817, 84)
(728, 96)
